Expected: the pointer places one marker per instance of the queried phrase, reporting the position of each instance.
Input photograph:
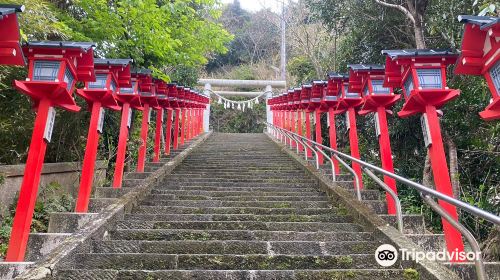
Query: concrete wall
(67, 174)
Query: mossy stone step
(239, 198)
(224, 193)
(144, 209)
(240, 225)
(309, 274)
(236, 247)
(223, 203)
(212, 261)
(263, 235)
(240, 217)
(237, 185)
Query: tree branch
(397, 7)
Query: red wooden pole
(292, 125)
(353, 142)
(141, 159)
(183, 126)
(85, 189)
(168, 134)
(189, 124)
(299, 127)
(333, 138)
(319, 138)
(386, 157)
(122, 147)
(29, 186)
(176, 128)
(442, 180)
(308, 132)
(158, 130)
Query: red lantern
(480, 57)
(422, 76)
(378, 100)
(10, 50)
(99, 94)
(54, 68)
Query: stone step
(412, 224)
(237, 247)
(204, 173)
(467, 270)
(144, 209)
(223, 203)
(220, 261)
(108, 192)
(137, 175)
(308, 274)
(222, 194)
(317, 197)
(237, 175)
(262, 235)
(378, 206)
(276, 179)
(234, 168)
(232, 185)
(429, 242)
(240, 225)
(367, 194)
(240, 217)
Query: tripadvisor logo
(387, 255)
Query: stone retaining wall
(67, 174)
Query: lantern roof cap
(307, 85)
(142, 71)
(366, 67)
(83, 46)
(396, 54)
(319, 82)
(7, 9)
(484, 22)
(297, 88)
(113, 61)
(172, 84)
(335, 75)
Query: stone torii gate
(267, 85)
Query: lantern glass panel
(129, 90)
(378, 87)
(408, 85)
(495, 76)
(68, 78)
(46, 70)
(366, 91)
(429, 78)
(349, 94)
(100, 81)
(112, 85)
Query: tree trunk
(419, 33)
(452, 155)
(427, 173)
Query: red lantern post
(110, 74)
(162, 98)
(378, 100)
(179, 96)
(149, 102)
(291, 112)
(128, 98)
(54, 68)
(422, 75)
(349, 102)
(480, 56)
(172, 91)
(10, 50)
(332, 96)
(305, 99)
(315, 106)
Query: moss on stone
(411, 274)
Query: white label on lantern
(49, 125)
(149, 115)
(347, 122)
(424, 122)
(100, 124)
(129, 121)
(377, 125)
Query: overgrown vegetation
(52, 198)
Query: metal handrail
(428, 196)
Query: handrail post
(331, 162)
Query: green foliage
(302, 69)
(51, 199)
(236, 121)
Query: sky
(255, 5)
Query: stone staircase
(236, 208)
